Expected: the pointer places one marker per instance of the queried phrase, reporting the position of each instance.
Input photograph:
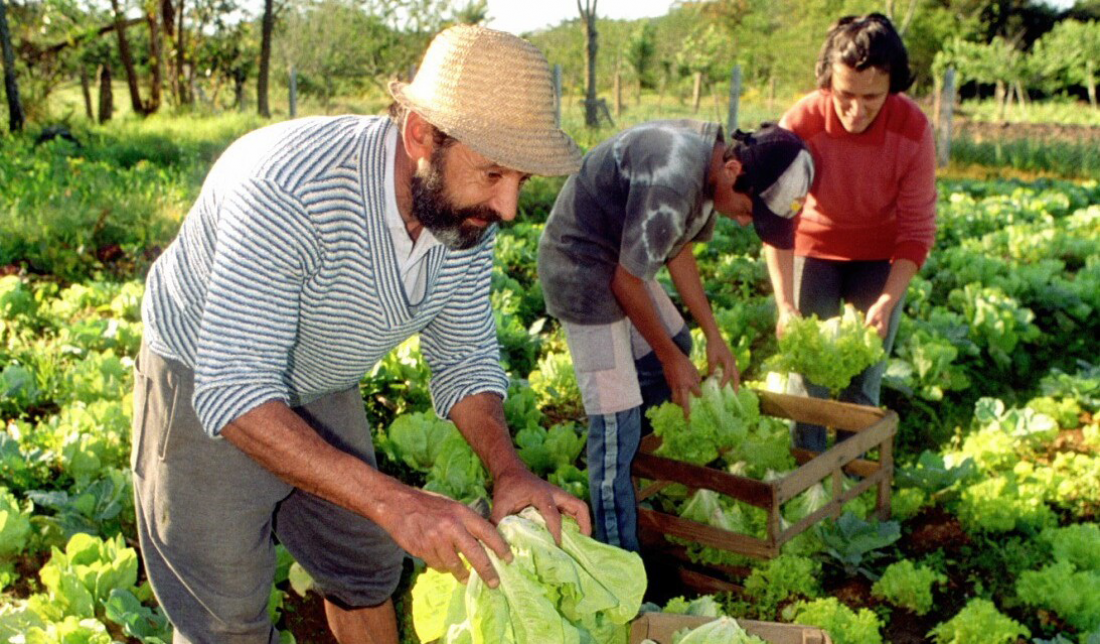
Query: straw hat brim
(540, 151)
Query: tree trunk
(1090, 82)
(106, 97)
(127, 61)
(588, 23)
(937, 97)
(156, 62)
(265, 59)
(697, 92)
(11, 85)
(1000, 96)
(618, 95)
(170, 45)
(86, 92)
(183, 86)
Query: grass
(1063, 111)
(129, 184)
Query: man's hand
(878, 316)
(720, 357)
(519, 488)
(682, 378)
(438, 530)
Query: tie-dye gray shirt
(638, 199)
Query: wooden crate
(660, 627)
(873, 428)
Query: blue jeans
(820, 287)
(612, 444)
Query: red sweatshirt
(874, 193)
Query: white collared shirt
(409, 254)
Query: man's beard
(435, 211)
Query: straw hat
(493, 92)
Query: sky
(519, 16)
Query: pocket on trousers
(593, 347)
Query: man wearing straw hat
(639, 202)
(315, 247)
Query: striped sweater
(283, 283)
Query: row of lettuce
(995, 379)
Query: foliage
(724, 630)
(828, 352)
(720, 420)
(842, 623)
(907, 585)
(854, 543)
(979, 623)
(780, 580)
(580, 591)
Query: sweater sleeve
(460, 344)
(916, 203)
(266, 249)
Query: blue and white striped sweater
(283, 283)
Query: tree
(11, 86)
(127, 57)
(1070, 55)
(587, 9)
(641, 50)
(267, 29)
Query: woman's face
(858, 96)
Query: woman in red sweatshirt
(869, 220)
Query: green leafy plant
(831, 352)
(907, 585)
(781, 579)
(843, 624)
(580, 591)
(979, 623)
(853, 543)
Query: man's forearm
(633, 297)
(280, 441)
(480, 419)
(685, 277)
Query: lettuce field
(995, 378)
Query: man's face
(728, 202)
(858, 96)
(459, 193)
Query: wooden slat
(651, 489)
(835, 457)
(705, 584)
(859, 467)
(833, 508)
(750, 491)
(704, 534)
(854, 418)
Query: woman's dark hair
(861, 42)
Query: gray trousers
(821, 286)
(207, 516)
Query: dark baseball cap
(777, 173)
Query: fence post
(947, 110)
(293, 89)
(697, 92)
(618, 95)
(557, 94)
(735, 98)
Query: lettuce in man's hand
(829, 353)
(584, 591)
(721, 419)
